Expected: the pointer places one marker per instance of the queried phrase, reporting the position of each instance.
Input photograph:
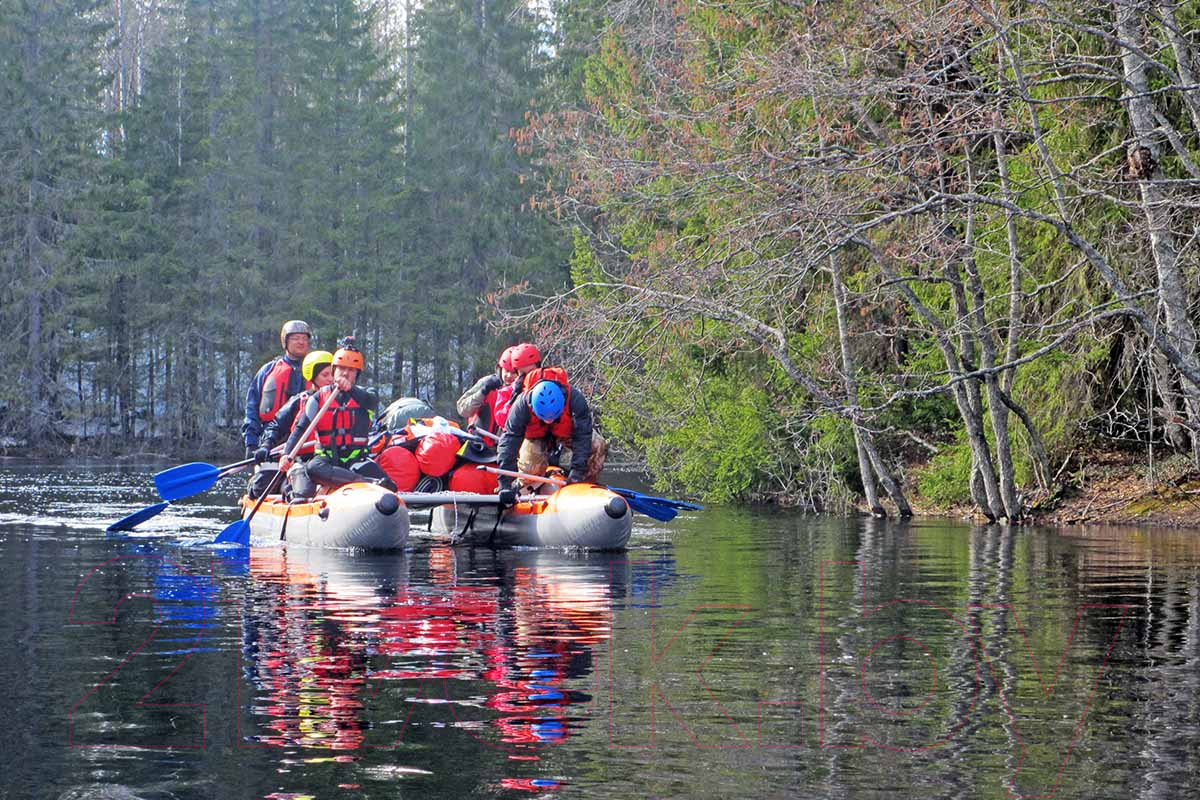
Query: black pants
(260, 481)
(304, 477)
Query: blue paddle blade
(235, 533)
(186, 480)
(630, 494)
(651, 509)
(136, 518)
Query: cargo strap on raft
(458, 536)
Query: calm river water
(729, 653)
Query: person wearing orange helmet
(485, 405)
(343, 431)
(276, 381)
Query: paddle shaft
(656, 507)
(486, 434)
(508, 473)
(312, 426)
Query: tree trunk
(1144, 158)
(968, 398)
(865, 469)
(1183, 61)
(965, 393)
(997, 411)
(414, 381)
(1036, 444)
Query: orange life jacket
(283, 381)
(556, 374)
(562, 427)
(343, 431)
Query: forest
(835, 254)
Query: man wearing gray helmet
(276, 381)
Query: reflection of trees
(1018, 593)
(1157, 662)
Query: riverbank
(1110, 487)
(1099, 487)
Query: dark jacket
(252, 426)
(519, 415)
(279, 428)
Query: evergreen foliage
(783, 247)
(247, 162)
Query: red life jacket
(308, 393)
(307, 447)
(556, 374)
(280, 384)
(343, 431)
(499, 401)
(562, 427)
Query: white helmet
(293, 326)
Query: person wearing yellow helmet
(317, 370)
(342, 431)
(315, 363)
(276, 382)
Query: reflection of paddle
(136, 518)
(239, 532)
(189, 479)
(659, 508)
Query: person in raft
(525, 358)
(549, 422)
(485, 405)
(276, 382)
(318, 371)
(342, 432)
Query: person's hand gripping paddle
(239, 532)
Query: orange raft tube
(358, 515)
(579, 515)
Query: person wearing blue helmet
(548, 420)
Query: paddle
(239, 532)
(136, 518)
(659, 508)
(486, 434)
(186, 480)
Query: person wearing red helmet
(525, 357)
(276, 381)
(342, 432)
(550, 421)
(485, 405)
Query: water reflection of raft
(579, 515)
(358, 515)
